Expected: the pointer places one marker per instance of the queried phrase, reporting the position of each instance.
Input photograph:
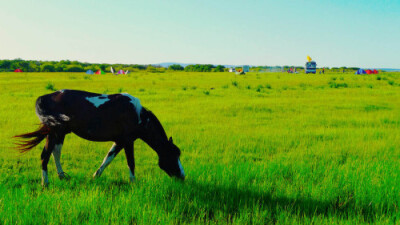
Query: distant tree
(74, 68)
(175, 67)
(199, 68)
(33, 67)
(103, 66)
(151, 69)
(92, 67)
(66, 62)
(140, 67)
(219, 68)
(5, 65)
(47, 67)
(60, 67)
(24, 65)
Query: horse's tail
(34, 138)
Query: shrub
(268, 86)
(206, 92)
(337, 85)
(50, 86)
(390, 82)
(234, 83)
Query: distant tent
(18, 71)
(112, 70)
(368, 71)
(89, 72)
(360, 71)
(121, 72)
(100, 72)
(375, 71)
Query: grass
(298, 153)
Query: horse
(119, 118)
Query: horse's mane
(156, 123)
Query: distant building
(231, 70)
(246, 68)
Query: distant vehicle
(311, 67)
(246, 69)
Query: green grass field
(257, 149)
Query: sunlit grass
(259, 148)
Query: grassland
(257, 149)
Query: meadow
(267, 148)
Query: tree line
(76, 66)
(63, 66)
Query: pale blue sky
(364, 33)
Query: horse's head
(169, 160)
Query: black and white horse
(98, 117)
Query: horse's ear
(170, 139)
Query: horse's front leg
(115, 149)
(130, 157)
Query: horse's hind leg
(51, 141)
(115, 149)
(57, 156)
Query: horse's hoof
(96, 175)
(132, 179)
(45, 185)
(63, 176)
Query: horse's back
(90, 115)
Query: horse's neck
(154, 135)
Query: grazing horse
(119, 118)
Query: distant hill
(167, 64)
(390, 69)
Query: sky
(362, 33)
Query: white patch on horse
(57, 156)
(64, 117)
(62, 91)
(107, 160)
(181, 168)
(97, 101)
(136, 103)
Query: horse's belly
(98, 131)
(93, 137)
